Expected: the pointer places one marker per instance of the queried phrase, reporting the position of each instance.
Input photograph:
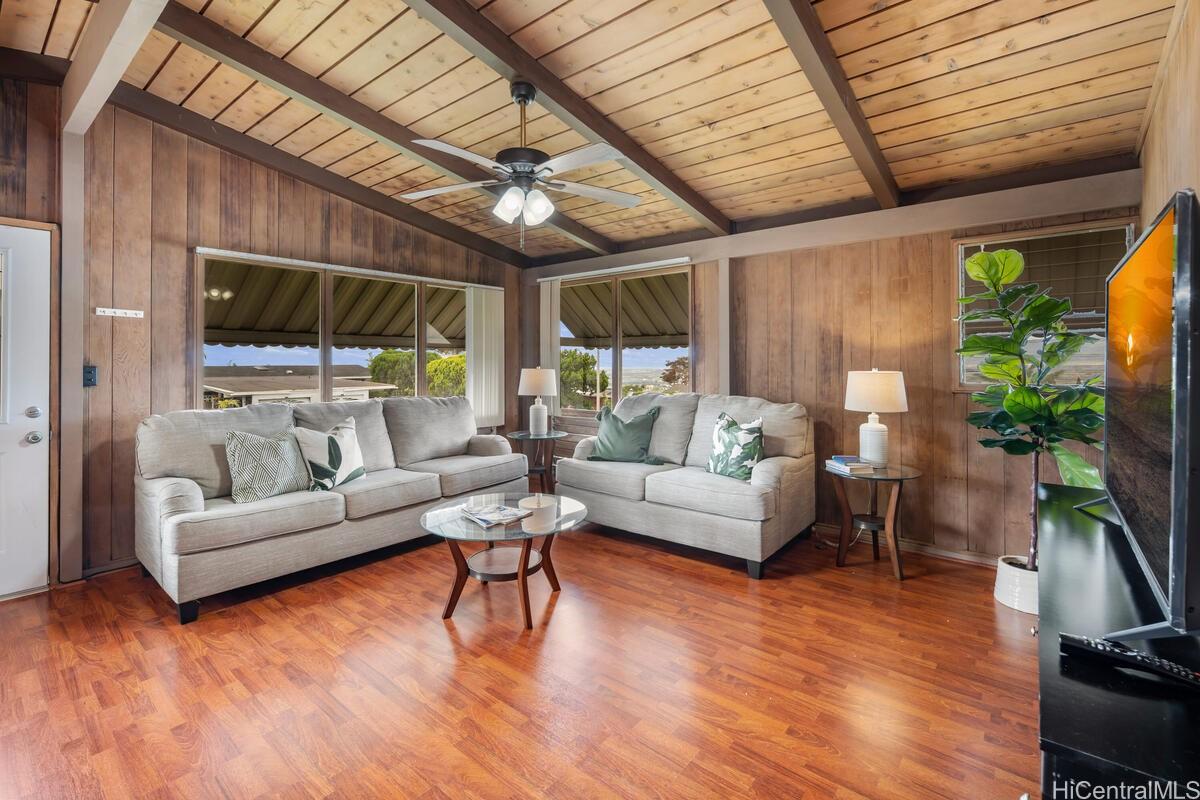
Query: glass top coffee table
(509, 554)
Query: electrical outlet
(91, 375)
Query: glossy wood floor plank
(655, 672)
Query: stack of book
(849, 465)
(488, 516)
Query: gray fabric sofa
(681, 502)
(196, 541)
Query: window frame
(326, 273)
(959, 244)
(614, 280)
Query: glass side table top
(527, 436)
(892, 472)
(555, 515)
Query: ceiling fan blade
(590, 154)
(622, 199)
(467, 155)
(458, 187)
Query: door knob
(33, 412)
(34, 437)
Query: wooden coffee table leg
(889, 529)
(847, 520)
(547, 564)
(460, 578)
(523, 581)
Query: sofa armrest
(794, 481)
(156, 499)
(584, 448)
(488, 445)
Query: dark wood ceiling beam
(802, 30)
(462, 23)
(200, 127)
(197, 31)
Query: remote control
(1120, 655)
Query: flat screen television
(1152, 412)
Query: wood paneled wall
(801, 319)
(152, 195)
(28, 151)
(1171, 152)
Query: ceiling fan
(529, 170)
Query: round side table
(871, 521)
(543, 453)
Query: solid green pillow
(618, 440)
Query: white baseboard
(830, 533)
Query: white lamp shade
(877, 391)
(538, 382)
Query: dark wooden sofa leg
(189, 611)
(754, 569)
(145, 572)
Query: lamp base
(539, 418)
(873, 441)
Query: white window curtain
(549, 332)
(485, 354)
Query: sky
(272, 355)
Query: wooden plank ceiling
(952, 89)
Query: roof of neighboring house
(654, 312)
(339, 371)
(274, 306)
(270, 384)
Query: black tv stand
(1100, 724)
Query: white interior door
(24, 409)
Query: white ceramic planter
(1016, 587)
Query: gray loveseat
(196, 541)
(681, 502)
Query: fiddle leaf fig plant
(1024, 413)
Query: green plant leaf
(1013, 445)
(1027, 406)
(1005, 369)
(974, 316)
(1010, 264)
(1014, 293)
(1075, 471)
(993, 396)
(976, 298)
(978, 344)
(1061, 347)
(998, 420)
(982, 267)
(1041, 312)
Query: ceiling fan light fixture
(538, 207)
(510, 204)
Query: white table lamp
(538, 383)
(876, 392)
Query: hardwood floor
(654, 673)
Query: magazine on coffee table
(490, 516)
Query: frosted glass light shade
(881, 392)
(510, 204)
(538, 207)
(538, 382)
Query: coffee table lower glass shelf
(500, 561)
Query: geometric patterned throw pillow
(333, 457)
(736, 448)
(264, 466)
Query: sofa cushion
(464, 473)
(619, 479)
(388, 489)
(622, 440)
(786, 427)
(424, 428)
(369, 426)
(264, 466)
(672, 429)
(223, 523)
(191, 444)
(695, 489)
